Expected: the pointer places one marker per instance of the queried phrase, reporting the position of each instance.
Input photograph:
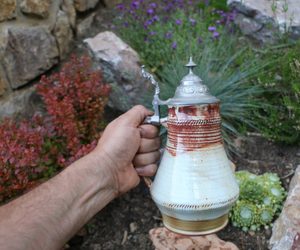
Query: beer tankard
(194, 187)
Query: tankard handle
(154, 119)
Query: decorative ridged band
(204, 206)
(195, 227)
(193, 135)
(199, 121)
(191, 128)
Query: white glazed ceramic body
(194, 181)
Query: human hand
(129, 148)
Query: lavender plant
(166, 33)
(161, 29)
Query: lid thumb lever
(155, 119)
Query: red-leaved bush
(75, 99)
(21, 155)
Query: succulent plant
(244, 214)
(251, 190)
(244, 175)
(265, 215)
(261, 198)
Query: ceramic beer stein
(194, 187)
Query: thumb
(135, 116)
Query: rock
(68, 7)
(83, 5)
(110, 48)
(7, 9)
(83, 27)
(286, 229)
(36, 7)
(239, 144)
(25, 53)
(133, 227)
(22, 103)
(111, 3)
(3, 82)
(2, 87)
(247, 25)
(164, 239)
(63, 34)
(260, 19)
(120, 65)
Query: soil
(124, 224)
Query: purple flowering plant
(165, 33)
(162, 30)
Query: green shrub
(280, 120)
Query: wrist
(92, 183)
(104, 165)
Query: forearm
(50, 214)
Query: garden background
(248, 57)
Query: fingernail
(139, 171)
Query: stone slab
(7, 9)
(164, 239)
(3, 86)
(111, 3)
(84, 26)
(69, 8)
(121, 67)
(286, 229)
(84, 5)
(36, 7)
(63, 34)
(21, 103)
(25, 53)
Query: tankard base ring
(195, 227)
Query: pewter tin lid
(192, 90)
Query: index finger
(149, 131)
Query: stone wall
(37, 34)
